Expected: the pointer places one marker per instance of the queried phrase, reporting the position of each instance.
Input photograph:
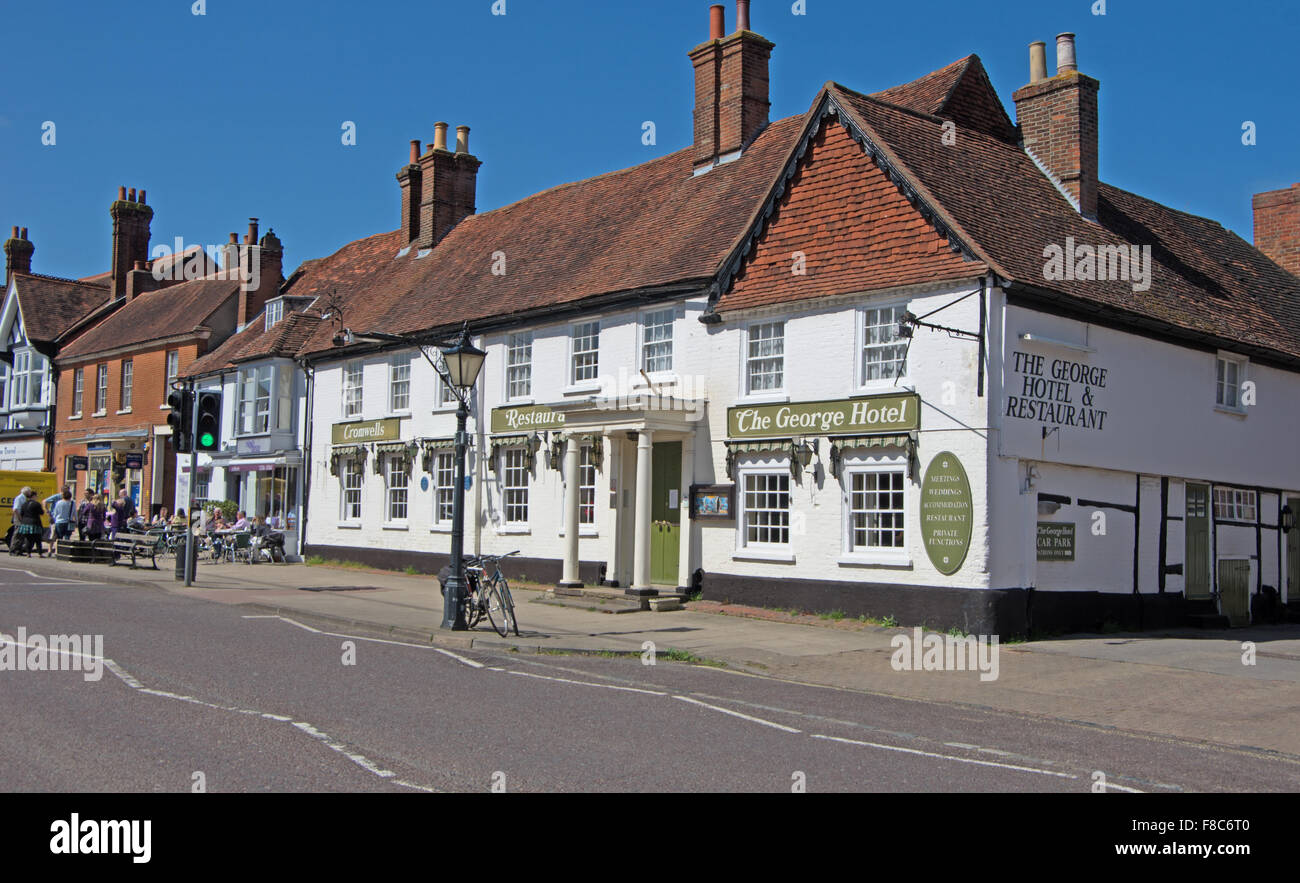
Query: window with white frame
(446, 396)
(519, 365)
(1231, 504)
(202, 484)
(877, 509)
(128, 379)
(284, 395)
(444, 489)
(1230, 375)
(351, 479)
(398, 486)
(253, 408)
(514, 484)
(883, 351)
(587, 486)
(352, 377)
(78, 390)
(586, 353)
(22, 378)
(101, 390)
(4, 385)
(657, 341)
(274, 313)
(765, 359)
(173, 369)
(765, 509)
(399, 383)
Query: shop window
(765, 505)
(514, 484)
(351, 479)
(444, 494)
(352, 377)
(519, 365)
(399, 384)
(884, 353)
(877, 501)
(128, 380)
(253, 409)
(586, 353)
(1231, 504)
(101, 390)
(1230, 375)
(587, 487)
(657, 341)
(398, 486)
(78, 390)
(765, 360)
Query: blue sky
(238, 112)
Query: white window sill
(882, 387)
(662, 378)
(165, 407)
(439, 529)
(860, 560)
(75, 417)
(586, 387)
(349, 525)
(100, 414)
(525, 400)
(774, 398)
(397, 415)
(753, 554)
(1231, 412)
(446, 409)
(584, 533)
(396, 525)
(514, 529)
(126, 411)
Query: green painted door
(665, 512)
(1196, 558)
(1234, 592)
(1293, 557)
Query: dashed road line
(952, 757)
(751, 719)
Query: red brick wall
(857, 231)
(1058, 121)
(1277, 226)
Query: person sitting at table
(162, 519)
(241, 523)
(179, 520)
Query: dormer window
(274, 313)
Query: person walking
(95, 516)
(12, 538)
(31, 528)
(87, 503)
(121, 513)
(61, 517)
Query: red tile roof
(51, 306)
(283, 340)
(169, 312)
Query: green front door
(1234, 592)
(665, 512)
(1293, 557)
(1196, 557)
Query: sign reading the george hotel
(875, 414)
(1055, 541)
(947, 513)
(368, 431)
(526, 418)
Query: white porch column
(570, 578)
(641, 538)
(684, 512)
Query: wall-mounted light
(1286, 518)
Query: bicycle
(489, 595)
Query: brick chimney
(731, 87)
(448, 187)
(131, 219)
(140, 279)
(269, 254)
(18, 254)
(411, 180)
(1277, 227)
(1058, 122)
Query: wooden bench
(135, 545)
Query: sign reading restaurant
(526, 418)
(873, 414)
(368, 431)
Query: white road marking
(1007, 766)
(528, 674)
(756, 720)
(47, 580)
(359, 759)
(461, 659)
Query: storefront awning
(339, 453)
(840, 444)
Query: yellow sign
(46, 484)
(368, 431)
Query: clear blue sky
(238, 113)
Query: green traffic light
(206, 440)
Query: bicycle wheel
(501, 608)
(473, 609)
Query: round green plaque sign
(947, 513)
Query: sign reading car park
(1055, 541)
(947, 513)
(873, 414)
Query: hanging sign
(947, 513)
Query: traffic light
(181, 402)
(209, 431)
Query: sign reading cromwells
(876, 414)
(526, 418)
(368, 431)
(947, 513)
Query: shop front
(107, 466)
(265, 486)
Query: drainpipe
(304, 490)
(480, 461)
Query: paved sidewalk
(1189, 685)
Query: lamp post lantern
(463, 362)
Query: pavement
(1186, 685)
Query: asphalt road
(205, 692)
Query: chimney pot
(717, 21)
(1065, 57)
(121, 194)
(234, 238)
(139, 265)
(142, 197)
(130, 195)
(252, 231)
(15, 236)
(23, 237)
(1037, 62)
(462, 139)
(439, 136)
(742, 15)
(415, 151)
